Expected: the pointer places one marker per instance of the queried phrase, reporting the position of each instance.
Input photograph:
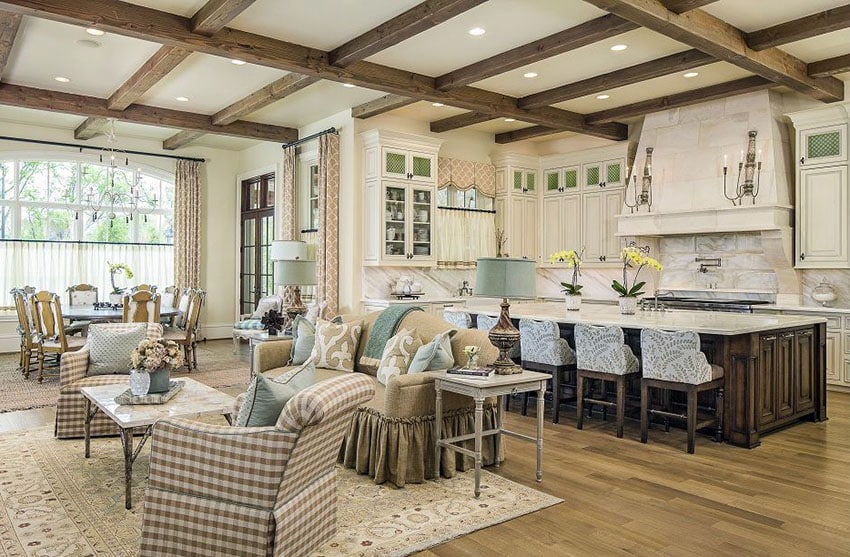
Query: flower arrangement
(573, 260)
(634, 257)
(471, 355)
(151, 355)
(116, 268)
(273, 321)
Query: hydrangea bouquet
(151, 355)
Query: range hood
(749, 218)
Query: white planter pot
(573, 302)
(628, 305)
(116, 299)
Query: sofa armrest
(413, 395)
(73, 366)
(270, 355)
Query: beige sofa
(391, 438)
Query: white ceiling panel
(185, 8)
(426, 112)
(210, 83)
(44, 50)
(315, 102)
(509, 23)
(16, 115)
(498, 126)
(220, 142)
(821, 47)
(751, 15)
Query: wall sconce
(751, 172)
(645, 195)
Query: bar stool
(460, 319)
(544, 350)
(672, 361)
(602, 355)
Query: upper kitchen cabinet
(561, 180)
(517, 206)
(822, 145)
(606, 174)
(403, 164)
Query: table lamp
(502, 277)
(292, 268)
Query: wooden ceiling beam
(667, 65)
(584, 34)
(9, 25)
(279, 89)
(682, 6)
(417, 19)
(123, 19)
(54, 101)
(524, 133)
(830, 66)
(216, 14)
(725, 42)
(381, 105)
(181, 139)
(155, 68)
(798, 29)
(90, 128)
(459, 121)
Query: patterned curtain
(285, 207)
(327, 253)
(187, 224)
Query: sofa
(391, 438)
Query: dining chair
(169, 298)
(141, 307)
(138, 287)
(187, 336)
(82, 295)
(51, 330)
(27, 331)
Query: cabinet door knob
(802, 160)
(802, 256)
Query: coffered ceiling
(171, 60)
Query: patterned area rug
(217, 368)
(56, 503)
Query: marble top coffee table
(194, 398)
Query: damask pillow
(437, 354)
(336, 345)
(264, 305)
(398, 353)
(110, 349)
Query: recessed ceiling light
(238, 62)
(510, 119)
(529, 74)
(603, 97)
(95, 31)
(619, 47)
(182, 99)
(61, 79)
(438, 105)
(88, 43)
(349, 85)
(690, 74)
(477, 31)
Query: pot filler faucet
(706, 262)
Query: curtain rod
(94, 148)
(80, 242)
(466, 210)
(298, 142)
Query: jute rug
(217, 368)
(57, 503)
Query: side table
(479, 389)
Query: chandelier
(118, 195)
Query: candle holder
(751, 172)
(645, 195)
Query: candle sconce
(750, 169)
(644, 197)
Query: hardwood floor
(790, 496)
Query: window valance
(466, 175)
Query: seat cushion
(250, 324)
(94, 381)
(74, 343)
(110, 349)
(173, 333)
(716, 372)
(377, 402)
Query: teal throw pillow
(303, 339)
(437, 354)
(266, 397)
(110, 349)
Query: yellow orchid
(635, 257)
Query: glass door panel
(256, 276)
(422, 219)
(395, 221)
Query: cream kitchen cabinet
(517, 204)
(400, 164)
(565, 210)
(561, 180)
(606, 174)
(599, 225)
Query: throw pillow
(303, 339)
(263, 306)
(110, 349)
(265, 397)
(437, 354)
(336, 345)
(249, 324)
(398, 353)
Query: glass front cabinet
(408, 218)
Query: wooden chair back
(193, 316)
(26, 318)
(48, 311)
(184, 301)
(170, 297)
(138, 287)
(82, 295)
(141, 307)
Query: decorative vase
(472, 362)
(823, 293)
(272, 331)
(628, 305)
(140, 381)
(573, 302)
(116, 299)
(160, 380)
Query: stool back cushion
(541, 342)
(674, 356)
(602, 349)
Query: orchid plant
(634, 257)
(573, 260)
(116, 268)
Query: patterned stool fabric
(460, 319)
(544, 350)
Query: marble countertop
(421, 300)
(706, 322)
(807, 309)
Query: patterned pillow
(252, 324)
(336, 345)
(398, 353)
(109, 350)
(265, 305)
(437, 354)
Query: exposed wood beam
(122, 18)
(90, 128)
(9, 25)
(403, 26)
(155, 68)
(283, 87)
(830, 66)
(712, 92)
(714, 36)
(575, 37)
(459, 121)
(682, 6)
(633, 74)
(524, 133)
(181, 139)
(798, 29)
(381, 105)
(215, 14)
(54, 101)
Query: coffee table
(194, 398)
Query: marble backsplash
(839, 279)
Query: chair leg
(194, 355)
(235, 344)
(665, 400)
(718, 433)
(644, 414)
(40, 366)
(26, 364)
(692, 418)
(579, 400)
(604, 397)
(556, 396)
(621, 404)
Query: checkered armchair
(251, 491)
(73, 375)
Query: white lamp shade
(295, 272)
(504, 277)
(288, 249)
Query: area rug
(57, 503)
(217, 368)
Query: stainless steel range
(703, 304)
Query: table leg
(88, 428)
(251, 357)
(127, 443)
(541, 392)
(479, 427)
(499, 411)
(438, 426)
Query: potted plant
(116, 269)
(273, 321)
(152, 362)
(634, 257)
(572, 289)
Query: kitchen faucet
(464, 289)
(706, 262)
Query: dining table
(90, 313)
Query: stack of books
(472, 372)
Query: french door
(256, 276)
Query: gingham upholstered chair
(141, 306)
(73, 375)
(672, 361)
(460, 319)
(544, 350)
(251, 491)
(602, 355)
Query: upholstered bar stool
(544, 350)
(601, 354)
(672, 361)
(460, 319)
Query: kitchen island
(775, 365)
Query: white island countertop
(706, 322)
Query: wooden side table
(479, 389)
